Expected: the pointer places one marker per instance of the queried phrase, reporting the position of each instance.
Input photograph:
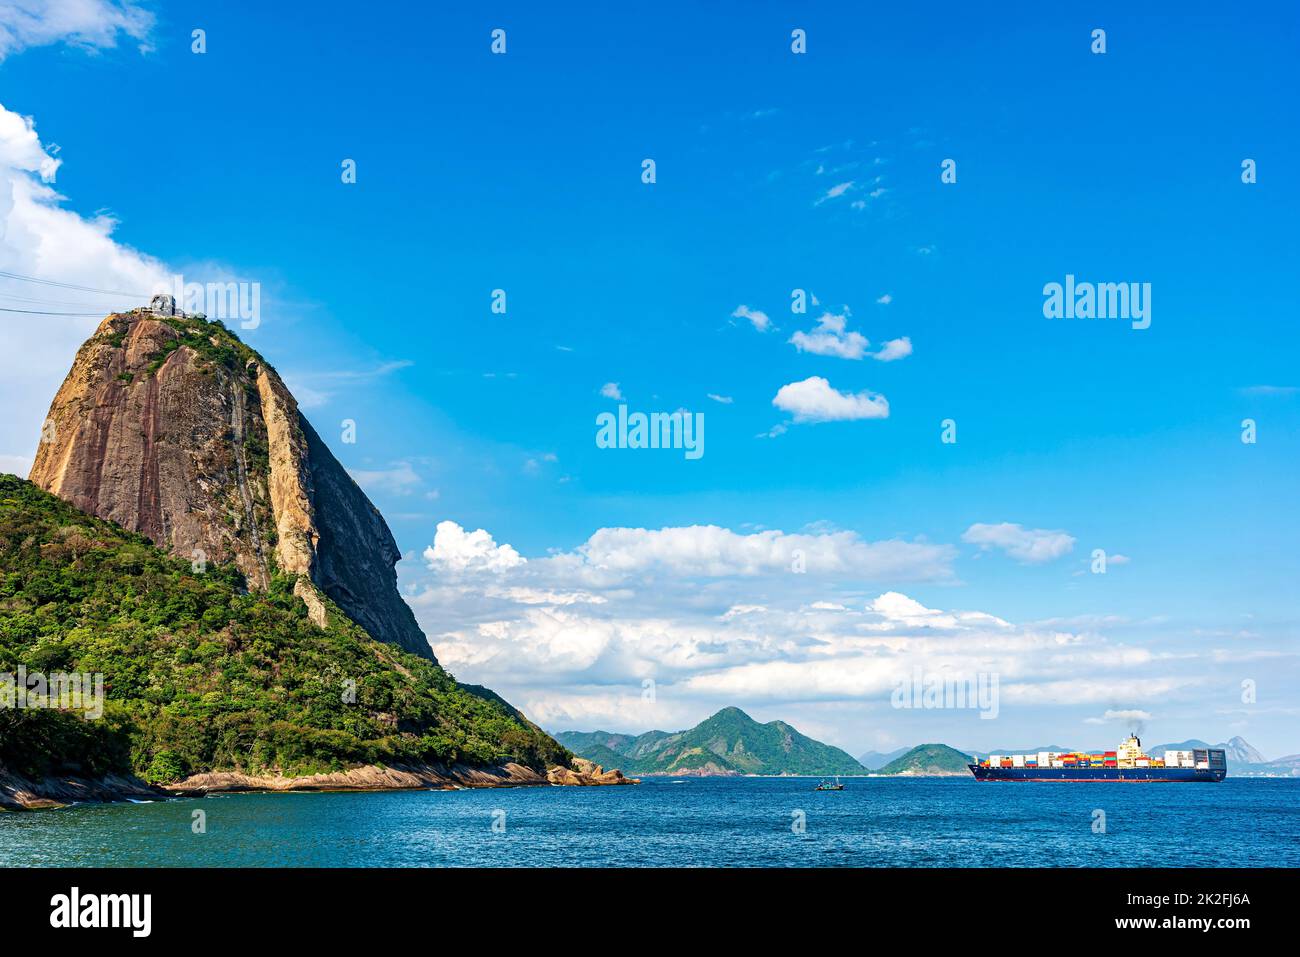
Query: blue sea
(706, 822)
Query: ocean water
(709, 822)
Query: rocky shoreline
(19, 793)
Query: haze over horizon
(829, 540)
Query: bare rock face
(175, 429)
(586, 773)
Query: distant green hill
(929, 759)
(730, 742)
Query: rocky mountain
(728, 743)
(203, 555)
(171, 427)
(929, 760)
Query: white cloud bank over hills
(705, 617)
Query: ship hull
(1135, 775)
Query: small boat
(828, 786)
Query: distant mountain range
(732, 743)
(1243, 760)
(728, 743)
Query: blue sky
(523, 172)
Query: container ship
(1129, 763)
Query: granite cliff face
(172, 427)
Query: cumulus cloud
(782, 652)
(610, 390)
(1025, 545)
(894, 349)
(457, 550)
(830, 338)
(815, 400)
(89, 24)
(42, 240)
(713, 617)
(758, 319)
(712, 551)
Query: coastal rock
(175, 429)
(585, 773)
(366, 778)
(19, 793)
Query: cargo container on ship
(1128, 763)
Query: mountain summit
(170, 426)
(728, 743)
(189, 546)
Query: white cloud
(716, 617)
(456, 550)
(40, 239)
(524, 595)
(712, 551)
(1129, 715)
(894, 349)
(613, 560)
(610, 390)
(779, 651)
(836, 191)
(89, 24)
(736, 611)
(724, 399)
(758, 319)
(814, 400)
(829, 338)
(885, 300)
(1026, 545)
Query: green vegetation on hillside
(729, 742)
(926, 759)
(200, 675)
